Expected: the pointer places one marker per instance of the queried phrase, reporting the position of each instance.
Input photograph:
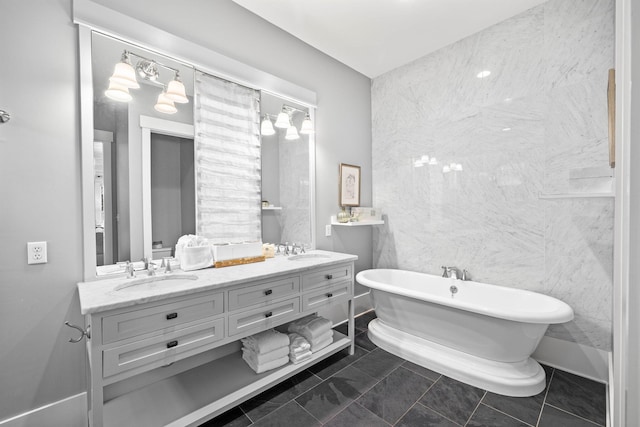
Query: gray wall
(40, 167)
(172, 181)
(536, 124)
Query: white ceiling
(376, 36)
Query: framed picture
(349, 185)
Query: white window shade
(227, 150)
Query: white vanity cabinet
(158, 357)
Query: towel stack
(315, 329)
(266, 350)
(299, 349)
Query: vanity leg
(351, 327)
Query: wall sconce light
(124, 78)
(266, 128)
(292, 133)
(283, 121)
(307, 127)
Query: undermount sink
(303, 257)
(155, 279)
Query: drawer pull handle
(172, 343)
(269, 314)
(172, 316)
(329, 276)
(268, 292)
(329, 295)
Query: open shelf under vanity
(199, 394)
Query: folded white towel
(310, 327)
(266, 341)
(259, 368)
(262, 358)
(301, 357)
(322, 343)
(326, 336)
(298, 344)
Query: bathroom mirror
(140, 197)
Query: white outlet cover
(36, 252)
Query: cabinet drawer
(263, 293)
(318, 298)
(255, 320)
(168, 347)
(327, 276)
(160, 317)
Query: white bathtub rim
(519, 379)
(561, 314)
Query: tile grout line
(355, 403)
(546, 393)
(441, 414)
(476, 408)
(575, 415)
(504, 413)
(434, 410)
(417, 401)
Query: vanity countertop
(108, 294)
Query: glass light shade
(307, 127)
(446, 169)
(283, 121)
(176, 92)
(124, 75)
(118, 92)
(433, 161)
(266, 128)
(292, 133)
(458, 167)
(165, 105)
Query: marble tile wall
(536, 125)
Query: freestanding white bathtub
(482, 335)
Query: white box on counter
(227, 251)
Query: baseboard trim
(582, 360)
(69, 412)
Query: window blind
(227, 150)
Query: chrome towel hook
(4, 116)
(83, 333)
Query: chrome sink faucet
(455, 273)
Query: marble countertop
(108, 294)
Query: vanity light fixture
(266, 127)
(483, 74)
(283, 121)
(124, 74)
(165, 105)
(307, 127)
(292, 133)
(118, 92)
(124, 78)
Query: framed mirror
(134, 156)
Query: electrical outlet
(327, 230)
(36, 252)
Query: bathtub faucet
(454, 273)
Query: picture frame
(349, 188)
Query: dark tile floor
(374, 388)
